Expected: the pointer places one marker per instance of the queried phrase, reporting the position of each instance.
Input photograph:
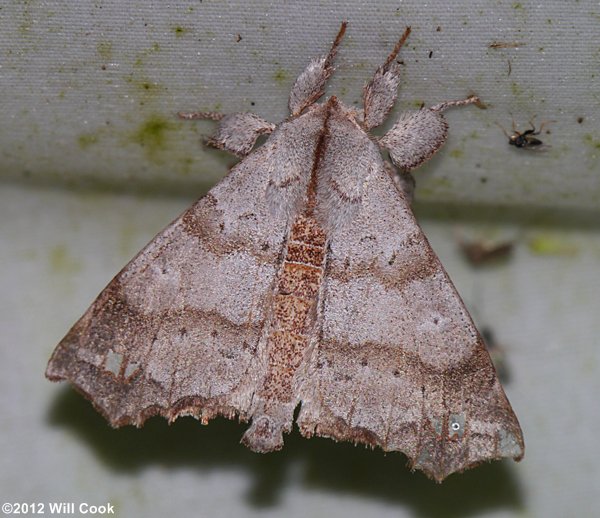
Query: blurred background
(94, 162)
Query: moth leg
(403, 179)
(381, 92)
(311, 83)
(237, 133)
(265, 434)
(472, 99)
(416, 136)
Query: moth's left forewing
(178, 330)
(399, 363)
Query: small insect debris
(302, 289)
(526, 139)
(505, 45)
(481, 253)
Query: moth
(302, 283)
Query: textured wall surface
(94, 163)
(90, 89)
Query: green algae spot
(517, 5)
(104, 49)
(516, 89)
(442, 182)
(27, 18)
(61, 261)
(152, 133)
(589, 140)
(145, 90)
(553, 245)
(85, 140)
(180, 31)
(139, 61)
(457, 153)
(280, 76)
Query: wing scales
(399, 363)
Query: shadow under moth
(302, 282)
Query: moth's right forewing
(399, 364)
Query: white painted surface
(90, 89)
(59, 248)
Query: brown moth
(302, 280)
